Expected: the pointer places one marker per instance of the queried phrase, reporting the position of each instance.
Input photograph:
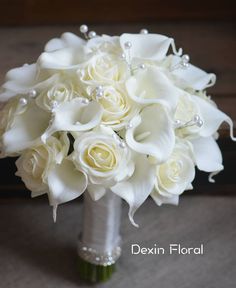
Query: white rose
(100, 155)
(62, 90)
(35, 163)
(174, 176)
(118, 108)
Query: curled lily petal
(96, 191)
(67, 40)
(212, 118)
(137, 188)
(160, 199)
(65, 183)
(151, 133)
(192, 77)
(152, 86)
(149, 46)
(74, 116)
(26, 129)
(211, 160)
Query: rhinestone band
(92, 256)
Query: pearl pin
(23, 101)
(92, 34)
(142, 66)
(144, 31)
(128, 45)
(83, 28)
(122, 144)
(32, 93)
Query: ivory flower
(103, 158)
(174, 176)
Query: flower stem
(94, 273)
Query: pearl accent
(123, 56)
(144, 31)
(92, 34)
(122, 144)
(142, 66)
(129, 126)
(83, 28)
(85, 101)
(199, 123)
(23, 101)
(54, 105)
(185, 58)
(33, 93)
(128, 45)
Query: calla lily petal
(74, 116)
(212, 118)
(192, 77)
(152, 86)
(27, 127)
(151, 133)
(149, 46)
(138, 187)
(207, 154)
(96, 191)
(65, 183)
(67, 40)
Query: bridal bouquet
(110, 116)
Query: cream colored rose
(102, 69)
(118, 108)
(35, 163)
(62, 89)
(174, 176)
(102, 157)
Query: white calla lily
(152, 86)
(67, 40)
(137, 188)
(207, 154)
(192, 76)
(28, 124)
(65, 183)
(148, 46)
(75, 115)
(151, 133)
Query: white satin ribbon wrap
(100, 240)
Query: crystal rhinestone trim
(92, 256)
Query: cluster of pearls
(87, 34)
(183, 64)
(99, 92)
(196, 120)
(127, 58)
(120, 142)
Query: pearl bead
(185, 65)
(142, 66)
(99, 94)
(196, 118)
(123, 56)
(83, 28)
(99, 88)
(177, 122)
(128, 45)
(23, 101)
(85, 101)
(92, 34)
(129, 126)
(144, 31)
(122, 144)
(185, 58)
(32, 93)
(199, 123)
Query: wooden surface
(211, 45)
(36, 253)
(104, 11)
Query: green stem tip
(94, 273)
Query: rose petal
(137, 188)
(152, 133)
